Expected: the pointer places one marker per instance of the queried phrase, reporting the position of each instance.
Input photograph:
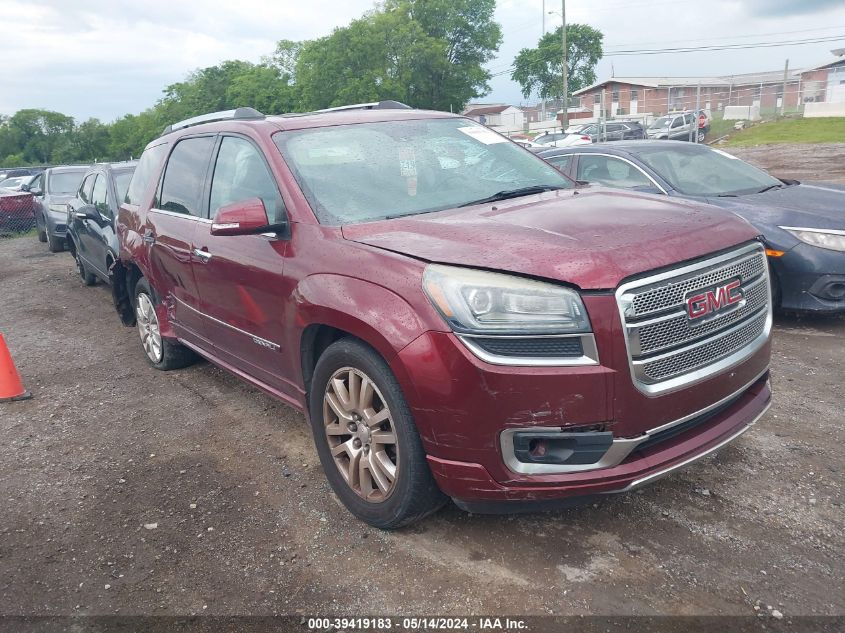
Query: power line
(730, 37)
(722, 47)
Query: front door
(93, 230)
(169, 234)
(238, 275)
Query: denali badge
(702, 303)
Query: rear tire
(87, 278)
(162, 352)
(701, 135)
(42, 235)
(366, 439)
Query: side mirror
(244, 217)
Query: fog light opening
(836, 291)
(537, 448)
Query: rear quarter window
(147, 168)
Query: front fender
(371, 312)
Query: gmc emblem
(714, 300)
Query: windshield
(700, 171)
(664, 121)
(121, 182)
(370, 171)
(65, 181)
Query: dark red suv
(453, 315)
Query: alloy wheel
(361, 434)
(148, 328)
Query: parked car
(14, 183)
(675, 127)
(803, 224)
(91, 238)
(17, 211)
(614, 131)
(565, 140)
(528, 144)
(476, 328)
(53, 189)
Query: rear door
(169, 233)
(239, 277)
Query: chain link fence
(17, 213)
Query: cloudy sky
(106, 58)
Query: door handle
(203, 255)
(149, 238)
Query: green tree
(538, 70)
(36, 133)
(427, 53)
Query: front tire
(365, 436)
(701, 135)
(163, 353)
(55, 244)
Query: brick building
(658, 95)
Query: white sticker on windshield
(482, 134)
(725, 154)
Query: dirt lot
(246, 524)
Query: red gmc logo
(715, 300)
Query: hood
(812, 205)
(592, 238)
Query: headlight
(475, 301)
(58, 208)
(823, 238)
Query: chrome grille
(667, 349)
(676, 330)
(672, 294)
(700, 355)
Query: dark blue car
(803, 224)
(91, 214)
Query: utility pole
(564, 72)
(697, 109)
(785, 81)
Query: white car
(567, 140)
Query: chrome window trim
(588, 345)
(255, 339)
(180, 215)
(625, 160)
(618, 451)
(623, 303)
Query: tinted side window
(678, 122)
(611, 172)
(85, 188)
(100, 196)
(181, 189)
(37, 183)
(147, 169)
(561, 162)
(240, 174)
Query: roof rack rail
(388, 104)
(224, 115)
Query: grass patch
(821, 130)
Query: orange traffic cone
(11, 387)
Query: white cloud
(105, 58)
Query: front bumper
(473, 488)
(463, 407)
(810, 278)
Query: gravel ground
(130, 491)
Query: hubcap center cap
(362, 432)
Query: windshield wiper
(770, 187)
(513, 193)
